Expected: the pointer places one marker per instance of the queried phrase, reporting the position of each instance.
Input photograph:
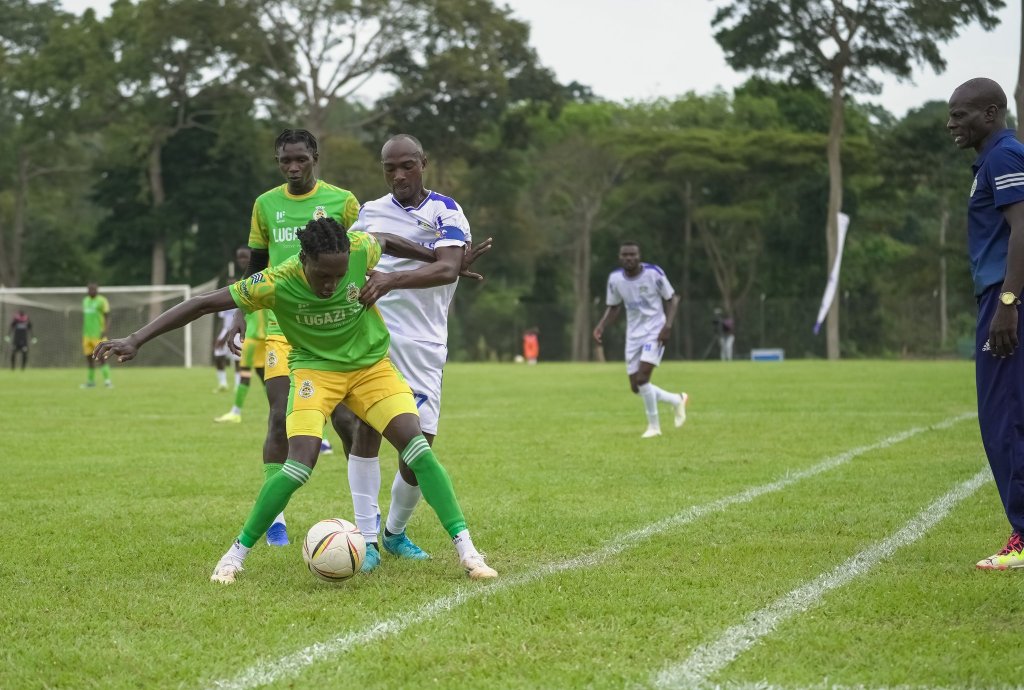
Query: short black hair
(629, 243)
(323, 236)
(296, 136)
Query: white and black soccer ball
(334, 549)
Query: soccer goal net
(56, 316)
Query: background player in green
(254, 352)
(94, 329)
(277, 216)
(339, 356)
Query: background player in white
(418, 322)
(650, 304)
(222, 354)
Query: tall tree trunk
(1018, 93)
(943, 307)
(835, 205)
(581, 329)
(687, 305)
(158, 255)
(19, 217)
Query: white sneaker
(476, 569)
(651, 432)
(681, 409)
(227, 568)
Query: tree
(836, 44)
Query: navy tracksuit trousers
(1001, 409)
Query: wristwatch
(1008, 298)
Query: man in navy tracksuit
(995, 231)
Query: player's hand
(35, 340)
(122, 348)
(474, 252)
(666, 331)
(598, 332)
(377, 285)
(1002, 332)
(235, 334)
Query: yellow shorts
(278, 350)
(254, 353)
(89, 345)
(376, 394)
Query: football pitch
(813, 524)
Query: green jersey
(277, 215)
(333, 334)
(94, 316)
(256, 325)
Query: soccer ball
(334, 550)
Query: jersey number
(420, 399)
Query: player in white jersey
(418, 322)
(222, 354)
(650, 304)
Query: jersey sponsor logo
(306, 390)
(280, 216)
(243, 287)
(974, 187)
(424, 225)
(284, 234)
(319, 213)
(329, 317)
(256, 277)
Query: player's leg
(384, 401)
(88, 345)
(220, 361)
(277, 384)
(422, 366)
(364, 484)
(316, 392)
(650, 357)
(24, 357)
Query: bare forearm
(671, 305)
(1014, 280)
(182, 314)
(403, 248)
(611, 315)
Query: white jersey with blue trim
(643, 297)
(420, 314)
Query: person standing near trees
(95, 308)
(650, 303)
(19, 335)
(995, 242)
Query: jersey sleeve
(453, 229)
(361, 223)
(365, 242)
(259, 231)
(613, 298)
(1007, 170)
(255, 292)
(104, 306)
(350, 212)
(664, 287)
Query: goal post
(56, 316)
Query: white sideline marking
(266, 672)
(712, 657)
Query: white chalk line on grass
(712, 657)
(266, 672)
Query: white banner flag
(833, 277)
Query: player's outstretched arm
(175, 317)
(448, 263)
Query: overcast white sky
(644, 49)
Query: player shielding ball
(339, 356)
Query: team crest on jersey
(271, 359)
(352, 292)
(306, 389)
(974, 187)
(424, 225)
(319, 213)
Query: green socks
(90, 375)
(435, 483)
(105, 368)
(241, 390)
(282, 481)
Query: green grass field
(692, 559)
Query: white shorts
(421, 363)
(225, 352)
(637, 351)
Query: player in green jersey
(277, 216)
(94, 329)
(339, 356)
